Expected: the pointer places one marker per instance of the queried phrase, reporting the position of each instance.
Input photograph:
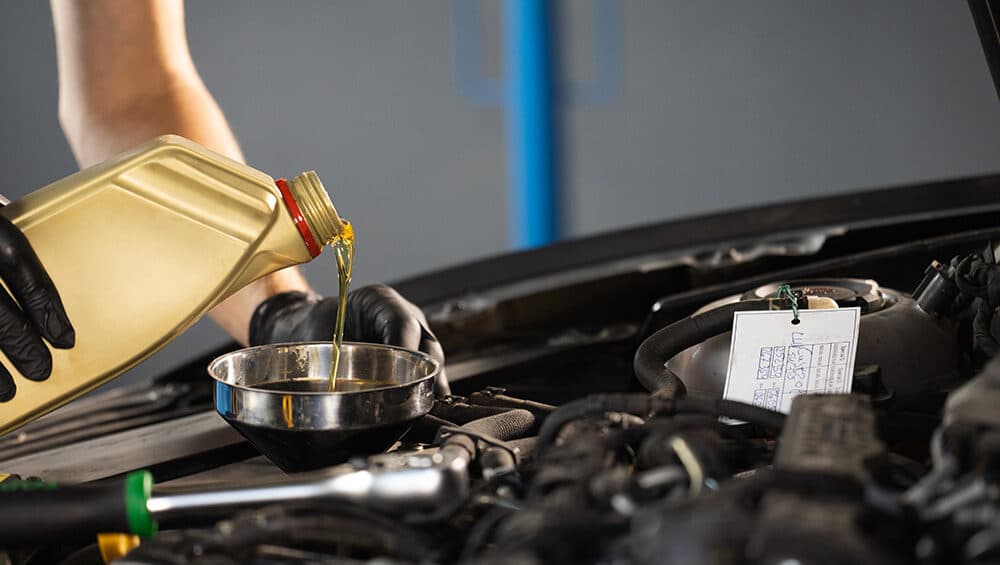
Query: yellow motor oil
(143, 245)
(343, 251)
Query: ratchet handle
(39, 513)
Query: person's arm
(126, 76)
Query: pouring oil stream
(343, 249)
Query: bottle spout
(317, 208)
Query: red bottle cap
(298, 218)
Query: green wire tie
(785, 291)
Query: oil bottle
(143, 245)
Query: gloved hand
(375, 314)
(38, 312)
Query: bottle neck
(316, 209)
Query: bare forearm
(126, 76)
(125, 73)
(180, 108)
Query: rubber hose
(462, 413)
(509, 425)
(595, 404)
(652, 356)
(512, 424)
(730, 409)
(525, 447)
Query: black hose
(463, 413)
(509, 425)
(512, 424)
(595, 404)
(730, 409)
(651, 357)
(525, 447)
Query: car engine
(587, 424)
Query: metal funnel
(277, 396)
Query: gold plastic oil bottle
(143, 245)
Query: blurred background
(662, 109)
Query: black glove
(375, 314)
(38, 312)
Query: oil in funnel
(277, 397)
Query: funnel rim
(409, 392)
(435, 368)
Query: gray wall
(711, 105)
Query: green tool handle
(39, 513)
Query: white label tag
(771, 360)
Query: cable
(689, 461)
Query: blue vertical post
(531, 153)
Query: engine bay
(587, 424)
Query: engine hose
(525, 447)
(463, 413)
(509, 425)
(593, 405)
(512, 424)
(730, 409)
(652, 356)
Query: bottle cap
(311, 209)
